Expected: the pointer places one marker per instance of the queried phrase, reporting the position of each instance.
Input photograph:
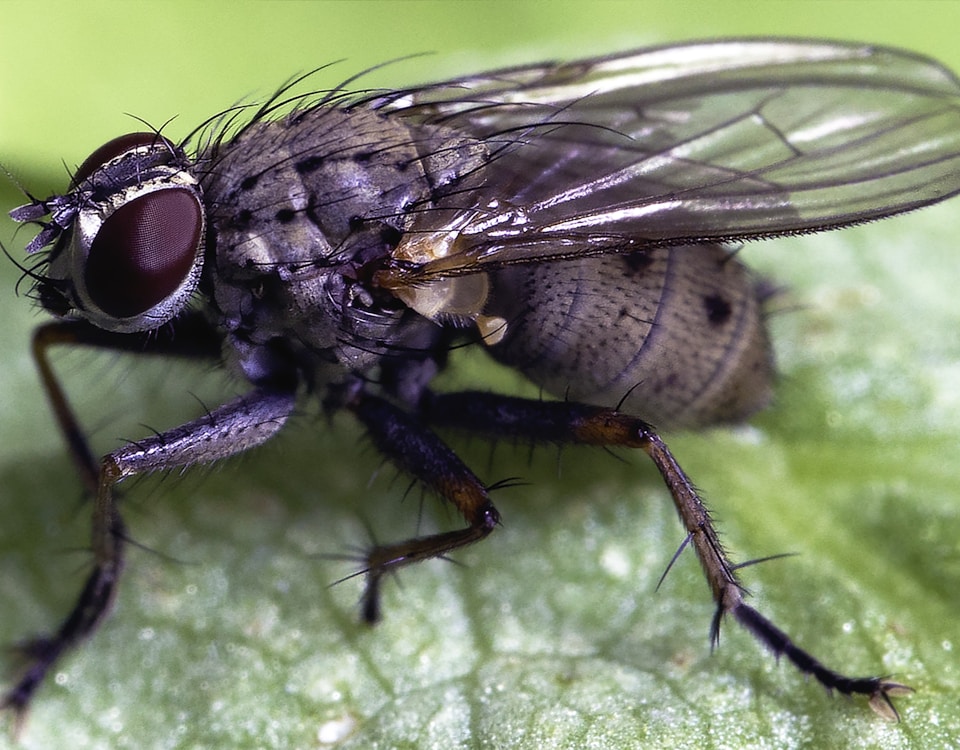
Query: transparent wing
(725, 140)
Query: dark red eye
(111, 150)
(144, 251)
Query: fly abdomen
(678, 331)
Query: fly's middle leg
(416, 450)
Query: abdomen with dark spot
(676, 334)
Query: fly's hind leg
(563, 422)
(231, 428)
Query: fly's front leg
(190, 336)
(416, 450)
(561, 422)
(232, 428)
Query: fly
(569, 218)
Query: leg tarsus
(91, 608)
(384, 559)
(878, 689)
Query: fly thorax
(303, 210)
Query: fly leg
(231, 428)
(563, 422)
(190, 337)
(417, 451)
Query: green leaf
(551, 634)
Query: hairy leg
(232, 428)
(564, 422)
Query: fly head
(127, 239)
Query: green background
(227, 635)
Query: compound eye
(113, 149)
(144, 252)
